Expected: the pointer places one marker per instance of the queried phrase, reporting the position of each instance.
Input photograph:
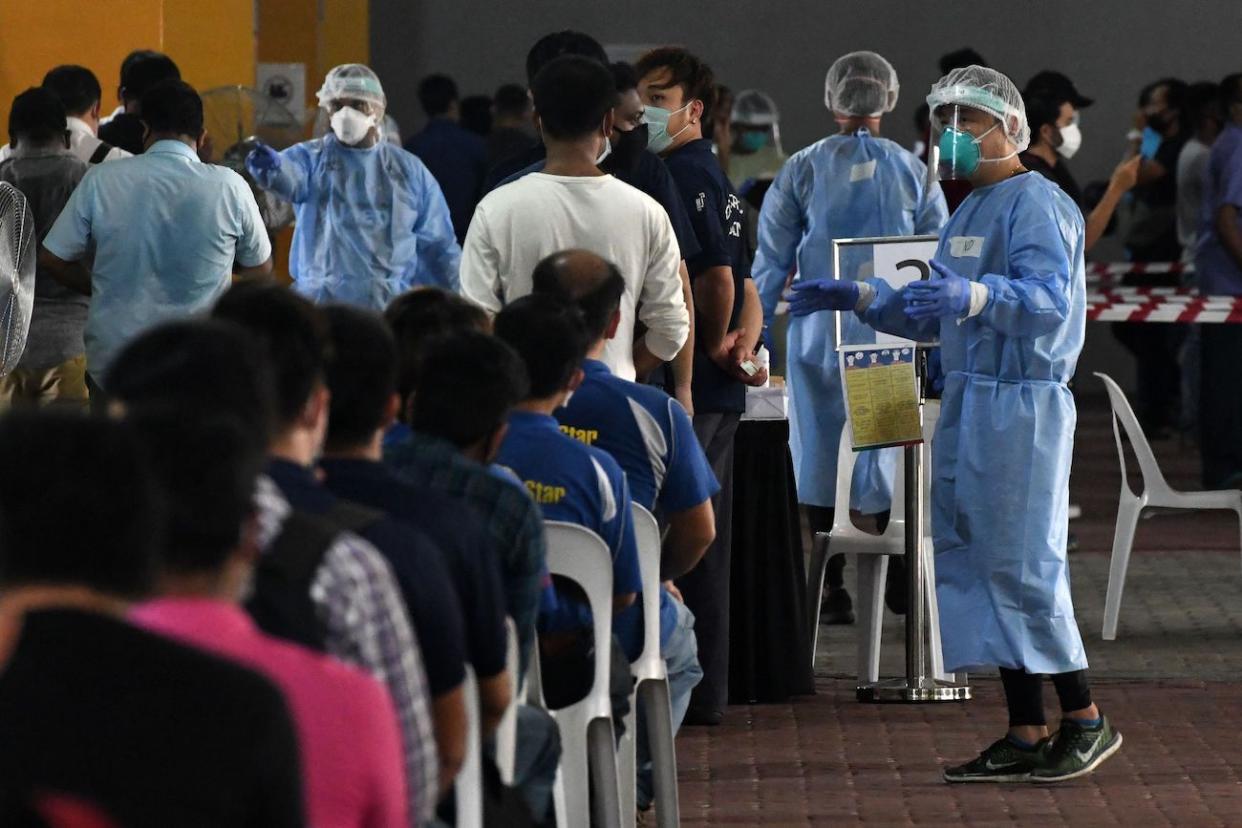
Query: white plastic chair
(468, 787)
(651, 691)
(506, 731)
(1157, 493)
(872, 553)
(586, 780)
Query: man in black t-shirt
(678, 90)
(149, 732)
(140, 71)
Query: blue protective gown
(1003, 446)
(845, 186)
(371, 223)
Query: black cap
(1057, 85)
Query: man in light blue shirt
(165, 232)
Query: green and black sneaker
(1077, 751)
(1004, 761)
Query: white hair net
(754, 108)
(352, 80)
(862, 84)
(989, 91)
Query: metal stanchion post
(918, 685)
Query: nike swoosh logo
(989, 766)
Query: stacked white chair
(1156, 494)
(587, 781)
(651, 692)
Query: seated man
(351, 748)
(340, 594)
(295, 335)
(448, 440)
(650, 435)
(583, 483)
(147, 731)
(570, 481)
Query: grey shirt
(47, 177)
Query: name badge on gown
(863, 171)
(966, 246)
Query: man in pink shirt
(207, 466)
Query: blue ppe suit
(371, 222)
(845, 186)
(1003, 446)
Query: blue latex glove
(947, 296)
(262, 159)
(822, 294)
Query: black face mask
(627, 150)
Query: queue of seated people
(248, 592)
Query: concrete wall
(1109, 47)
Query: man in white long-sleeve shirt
(571, 204)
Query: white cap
(352, 80)
(862, 84)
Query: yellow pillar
(212, 43)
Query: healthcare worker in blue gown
(1006, 300)
(371, 220)
(854, 184)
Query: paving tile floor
(1172, 683)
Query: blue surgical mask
(658, 139)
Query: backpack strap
(100, 153)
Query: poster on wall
(284, 83)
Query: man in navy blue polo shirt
(295, 335)
(650, 436)
(678, 90)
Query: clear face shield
(957, 138)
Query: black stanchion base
(902, 691)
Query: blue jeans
(681, 658)
(537, 756)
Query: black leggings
(1024, 693)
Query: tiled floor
(1172, 683)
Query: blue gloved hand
(822, 294)
(947, 296)
(262, 159)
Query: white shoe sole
(1016, 777)
(1095, 763)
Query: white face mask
(605, 152)
(1071, 140)
(350, 125)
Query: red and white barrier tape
(1198, 309)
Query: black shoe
(836, 608)
(1003, 761)
(895, 587)
(702, 717)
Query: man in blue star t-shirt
(583, 484)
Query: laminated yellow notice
(881, 396)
